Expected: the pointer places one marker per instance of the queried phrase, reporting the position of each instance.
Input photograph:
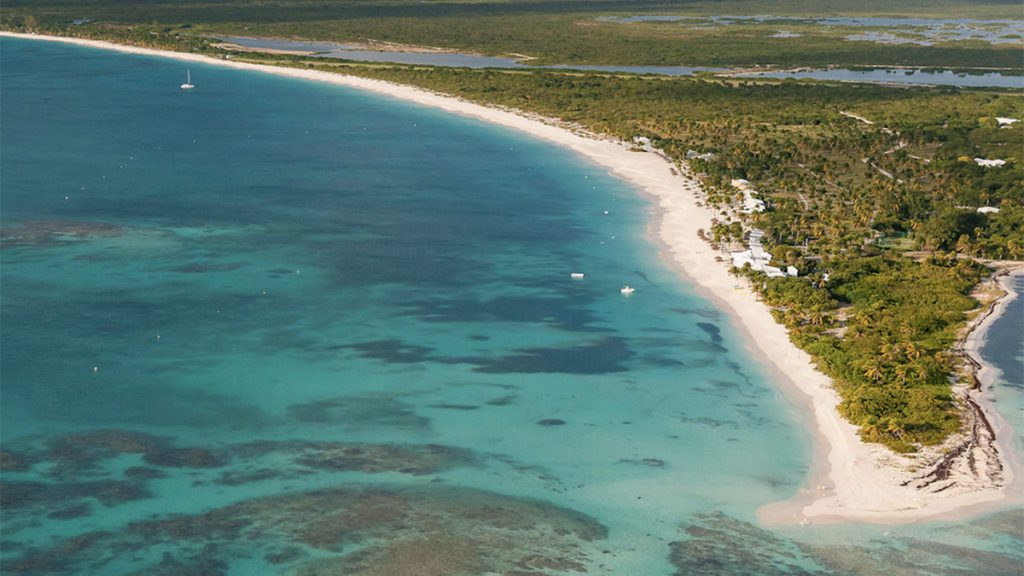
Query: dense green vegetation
(565, 31)
(878, 213)
(888, 354)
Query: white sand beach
(852, 481)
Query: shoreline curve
(850, 480)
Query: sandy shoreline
(988, 375)
(853, 481)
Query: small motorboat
(627, 290)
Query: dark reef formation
(718, 545)
(61, 478)
(55, 233)
(352, 530)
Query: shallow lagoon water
(1004, 349)
(449, 59)
(919, 30)
(901, 76)
(275, 326)
(456, 59)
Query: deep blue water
(274, 326)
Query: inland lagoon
(883, 75)
(270, 325)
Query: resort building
(644, 143)
(989, 163)
(691, 154)
(751, 204)
(758, 258)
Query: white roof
(752, 205)
(759, 253)
(989, 163)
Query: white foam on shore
(853, 481)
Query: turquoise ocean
(271, 326)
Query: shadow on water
(605, 356)
(359, 412)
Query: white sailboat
(188, 81)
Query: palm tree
(963, 244)
(874, 373)
(911, 350)
(895, 428)
(871, 430)
(901, 373)
(888, 351)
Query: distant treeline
(552, 32)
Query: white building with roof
(989, 163)
(759, 258)
(691, 154)
(644, 143)
(751, 203)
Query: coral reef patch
(353, 529)
(718, 544)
